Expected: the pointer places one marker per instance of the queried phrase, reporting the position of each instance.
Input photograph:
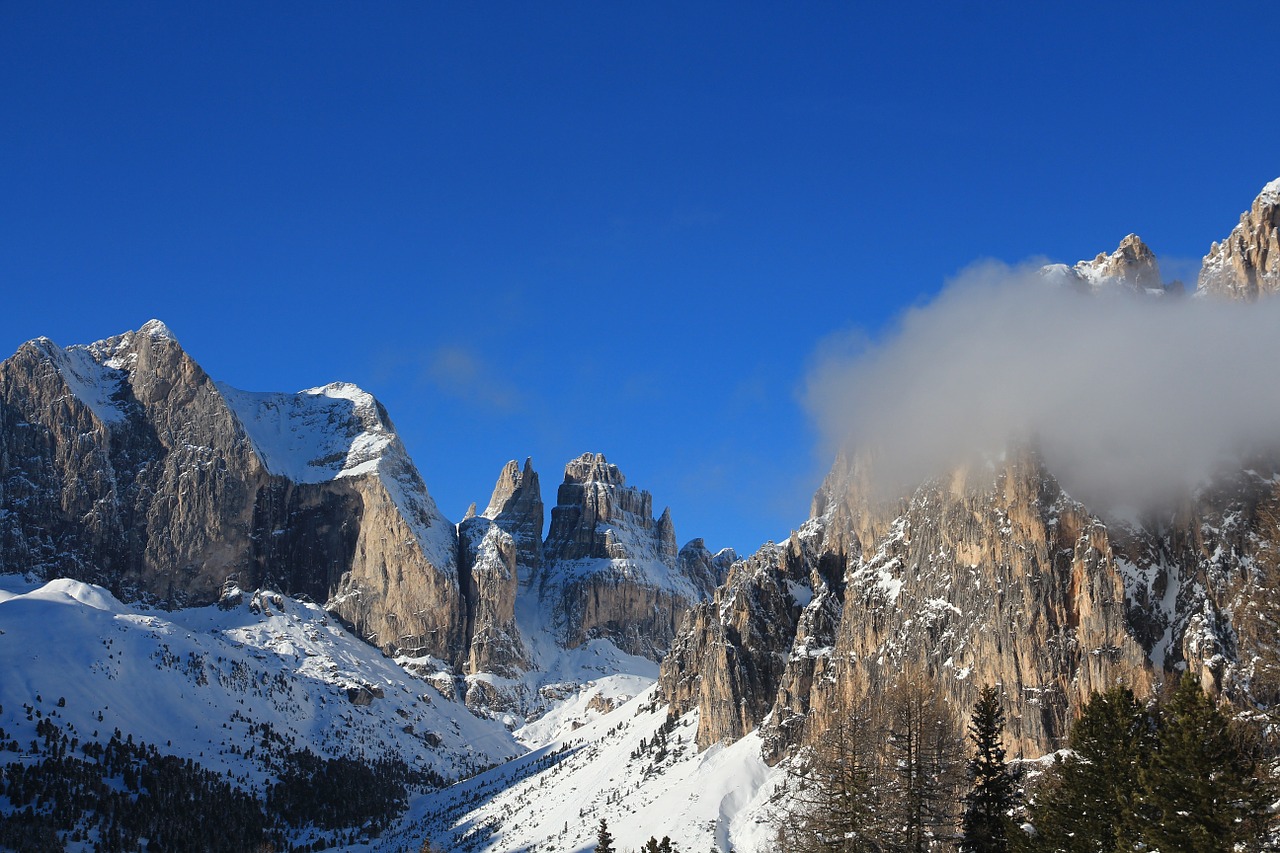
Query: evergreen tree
(604, 840)
(1085, 803)
(1200, 792)
(991, 795)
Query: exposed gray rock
(488, 565)
(705, 569)
(123, 464)
(611, 570)
(1131, 268)
(517, 508)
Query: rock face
(517, 508)
(610, 569)
(705, 569)
(1246, 265)
(1132, 265)
(994, 575)
(1131, 268)
(124, 464)
(726, 662)
(493, 550)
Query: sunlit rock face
(123, 463)
(992, 573)
(493, 550)
(1246, 265)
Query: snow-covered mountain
(241, 689)
(145, 509)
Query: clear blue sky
(544, 228)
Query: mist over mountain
(1131, 397)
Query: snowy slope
(609, 767)
(315, 435)
(337, 431)
(207, 683)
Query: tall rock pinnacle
(1246, 265)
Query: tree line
(1172, 775)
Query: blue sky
(540, 229)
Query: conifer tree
(991, 795)
(604, 839)
(1200, 792)
(1085, 802)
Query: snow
(337, 431)
(195, 682)
(94, 384)
(802, 594)
(1270, 193)
(717, 799)
(318, 434)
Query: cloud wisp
(1128, 399)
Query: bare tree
(834, 790)
(924, 759)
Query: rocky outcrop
(611, 570)
(1131, 268)
(493, 550)
(1132, 265)
(1246, 265)
(488, 565)
(986, 577)
(516, 506)
(728, 660)
(705, 569)
(124, 464)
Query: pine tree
(991, 796)
(1085, 803)
(604, 840)
(1200, 792)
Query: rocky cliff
(122, 463)
(992, 574)
(610, 569)
(494, 548)
(1246, 265)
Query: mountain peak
(593, 468)
(1246, 265)
(1131, 265)
(157, 330)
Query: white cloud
(1128, 398)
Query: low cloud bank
(1129, 399)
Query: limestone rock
(488, 566)
(705, 569)
(1246, 265)
(517, 507)
(982, 577)
(1131, 268)
(729, 657)
(122, 463)
(611, 570)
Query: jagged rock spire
(516, 505)
(1246, 265)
